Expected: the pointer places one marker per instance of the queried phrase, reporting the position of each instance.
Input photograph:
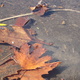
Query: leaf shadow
(54, 72)
(29, 24)
(48, 13)
(49, 53)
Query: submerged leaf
(28, 59)
(33, 65)
(18, 36)
(35, 74)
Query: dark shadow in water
(48, 13)
(29, 24)
(49, 53)
(54, 72)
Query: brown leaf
(35, 74)
(29, 75)
(31, 60)
(17, 37)
(33, 65)
(40, 9)
(21, 21)
(28, 59)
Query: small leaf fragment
(2, 5)
(40, 9)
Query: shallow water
(66, 37)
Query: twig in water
(1, 20)
(66, 10)
(8, 18)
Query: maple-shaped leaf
(29, 75)
(40, 9)
(29, 57)
(33, 65)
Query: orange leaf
(33, 65)
(29, 57)
(37, 74)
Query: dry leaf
(21, 21)
(63, 22)
(16, 37)
(33, 65)
(35, 74)
(40, 9)
(28, 57)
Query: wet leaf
(17, 36)
(8, 68)
(33, 65)
(35, 74)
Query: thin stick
(66, 10)
(1, 20)
(15, 16)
